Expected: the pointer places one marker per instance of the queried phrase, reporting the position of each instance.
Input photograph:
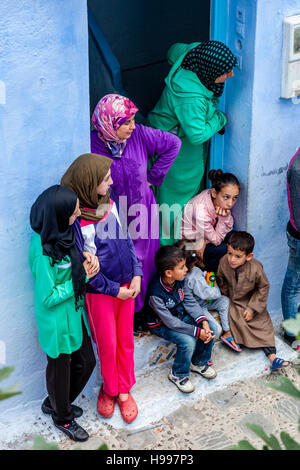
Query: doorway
(128, 43)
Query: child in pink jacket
(208, 216)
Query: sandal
(278, 363)
(105, 404)
(227, 341)
(128, 408)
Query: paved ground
(214, 417)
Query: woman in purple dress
(131, 147)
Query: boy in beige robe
(242, 279)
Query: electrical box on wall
(290, 78)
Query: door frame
(219, 19)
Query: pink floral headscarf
(110, 113)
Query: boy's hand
(206, 333)
(248, 315)
(135, 285)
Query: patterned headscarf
(210, 60)
(110, 113)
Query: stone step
(157, 396)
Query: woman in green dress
(188, 107)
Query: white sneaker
(206, 371)
(184, 384)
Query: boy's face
(178, 273)
(237, 258)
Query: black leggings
(269, 350)
(66, 376)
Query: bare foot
(272, 357)
(226, 335)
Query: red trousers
(111, 322)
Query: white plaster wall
(44, 126)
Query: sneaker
(48, 410)
(184, 384)
(73, 431)
(207, 371)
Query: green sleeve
(48, 291)
(192, 119)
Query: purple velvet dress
(130, 175)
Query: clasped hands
(132, 291)
(206, 334)
(91, 264)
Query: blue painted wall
(274, 140)
(44, 126)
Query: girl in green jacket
(60, 278)
(188, 107)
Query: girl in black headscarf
(60, 278)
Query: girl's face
(105, 184)
(223, 78)
(227, 197)
(76, 213)
(125, 131)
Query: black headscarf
(49, 216)
(208, 61)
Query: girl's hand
(149, 184)
(222, 212)
(226, 118)
(87, 268)
(135, 285)
(248, 315)
(125, 293)
(93, 262)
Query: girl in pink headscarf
(131, 146)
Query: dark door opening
(135, 36)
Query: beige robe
(247, 288)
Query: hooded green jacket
(59, 324)
(189, 109)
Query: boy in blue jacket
(168, 319)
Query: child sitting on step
(242, 279)
(203, 297)
(168, 319)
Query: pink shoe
(105, 404)
(128, 408)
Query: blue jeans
(290, 291)
(189, 349)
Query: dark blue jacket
(166, 308)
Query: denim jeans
(290, 292)
(189, 349)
